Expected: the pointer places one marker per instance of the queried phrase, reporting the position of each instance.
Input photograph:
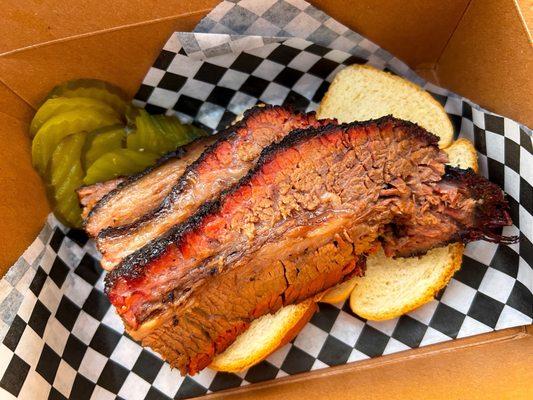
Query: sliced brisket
(141, 193)
(448, 221)
(302, 220)
(92, 194)
(220, 166)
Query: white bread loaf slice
(393, 287)
(462, 154)
(362, 92)
(339, 293)
(264, 336)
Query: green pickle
(62, 125)
(95, 89)
(79, 134)
(121, 162)
(58, 105)
(131, 115)
(160, 133)
(101, 141)
(66, 175)
(146, 137)
(175, 131)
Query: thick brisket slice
(223, 164)
(139, 194)
(224, 307)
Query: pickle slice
(58, 105)
(131, 115)
(160, 133)
(101, 141)
(66, 175)
(121, 162)
(146, 137)
(56, 128)
(95, 89)
(175, 131)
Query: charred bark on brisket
(220, 166)
(138, 194)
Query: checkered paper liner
(59, 336)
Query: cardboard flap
(490, 59)
(414, 31)
(494, 368)
(58, 20)
(24, 206)
(119, 56)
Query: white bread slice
(393, 287)
(263, 336)
(362, 92)
(462, 154)
(340, 292)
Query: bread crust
(339, 293)
(328, 97)
(455, 257)
(468, 147)
(273, 339)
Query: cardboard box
(474, 48)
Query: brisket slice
(91, 194)
(408, 236)
(220, 166)
(302, 220)
(224, 307)
(140, 193)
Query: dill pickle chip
(66, 175)
(174, 130)
(161, 133)
(56, 128)
(131, 114)
(101, 141)
(58, 105)
(146, 137)
(69, 212)
(95, 89)
(121, 162)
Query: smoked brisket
(220, 166)
(302, 220)
(133, 197)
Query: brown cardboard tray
(473, 47)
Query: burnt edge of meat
(176, 154)
(225, 135)
(132, 266)
(491, 216)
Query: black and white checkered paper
(59, 336)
